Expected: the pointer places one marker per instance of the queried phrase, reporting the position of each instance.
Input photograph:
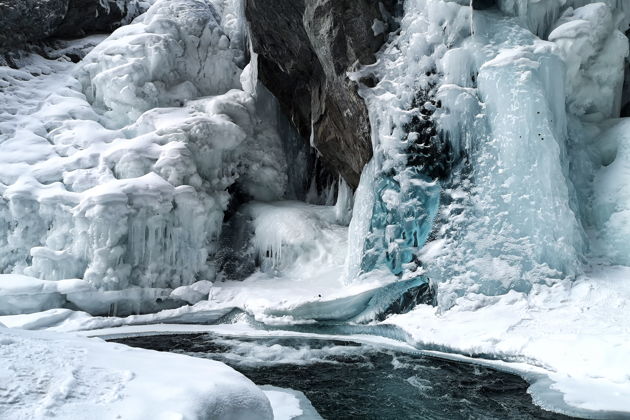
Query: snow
(54, 375)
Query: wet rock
(483, 4)
(625, 94)
(93, 16)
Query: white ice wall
(118, 176)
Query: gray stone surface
(28, 21)
(90, 16)
(305, 49)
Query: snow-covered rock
(194, 293)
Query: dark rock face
(305, 48)
(483, 4)
(90, 16)
(26, 21)
(625, 97)
(29, 20)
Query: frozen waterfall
(157, 180)
(119, 177)
(485, 137)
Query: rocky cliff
(24, 21)
(305, 50)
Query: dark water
(346, 380)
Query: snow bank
(577, 332)
(54, 375)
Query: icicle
(472, 19)
(345, 199)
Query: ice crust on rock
(20, 293)
(290, 404)
(174, 52)
(611, 206)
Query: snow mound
(55, 375)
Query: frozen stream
(347, 380)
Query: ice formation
(499, 175)
(497, 102)
(521, 103)
(119, 175)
